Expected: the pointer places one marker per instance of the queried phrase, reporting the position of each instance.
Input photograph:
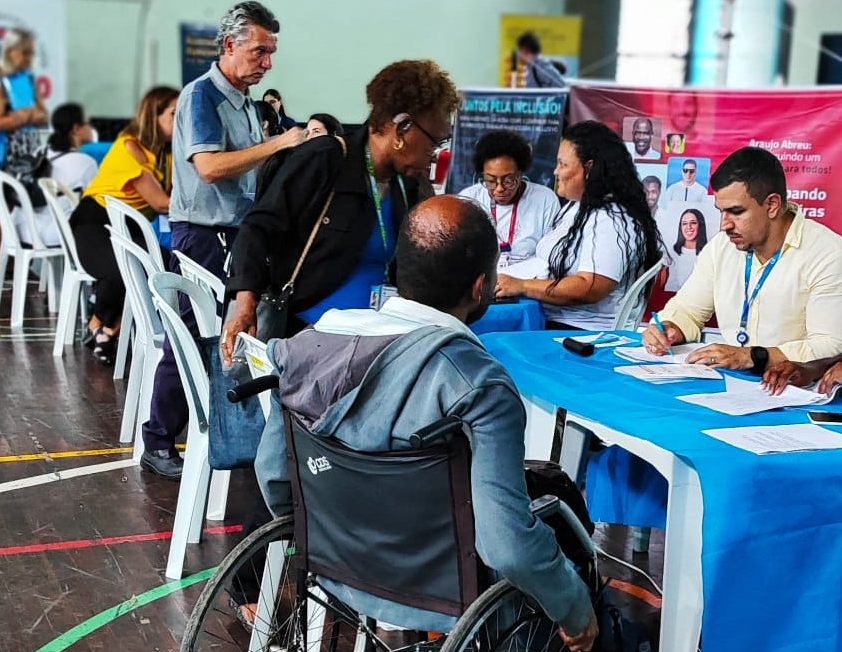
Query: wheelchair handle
(251, 388)
(435, 431)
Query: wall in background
(812, 19)
(327, 50)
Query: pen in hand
(661, 328)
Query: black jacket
(274, 232)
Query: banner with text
(677, 139)
(198, 50)
(534, 114)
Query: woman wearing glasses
(382, 176)
(522, 211)
(605, 239)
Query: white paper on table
(743, 397)
(762, 440)
(527, 269)
(659, 373)
(640, 354)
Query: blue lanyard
(378, 205)
(747, 301)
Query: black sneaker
(105, 347)
(167, 463)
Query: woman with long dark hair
(691, 239)
(606, 236)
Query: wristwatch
(760, 358)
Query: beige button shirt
(798, 308)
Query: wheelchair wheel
(281, 619)
(504, 619)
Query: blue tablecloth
(525, 315)
(772, 525)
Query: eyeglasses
(689, 170)
(509, 182)
(440, 143)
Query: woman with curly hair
(605, 239)
(373, 185)
(691, 239)
(522, 212)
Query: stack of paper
(640, 354)
(761, 440)
(748, 397)
(669, 373)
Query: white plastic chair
(196, 480)
(136, 267)
(633, 304)
(120, 214)
(10, 245)
(205, 279)
(74, 278)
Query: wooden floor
(82, 558)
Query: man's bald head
(444, 245)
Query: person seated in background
(68, 166)
(269, 124)
(273, 98)
(522, 212)
(828, 373)
(605, 239)
(323, 124)
(540, 71)
(137, 171)
(429, 365)
(773, 277)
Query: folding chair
(196, 480)
(10, 245)
(74, 279)
(120, 215)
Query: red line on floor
(638, 592)
(107, 541)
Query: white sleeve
(602, 251)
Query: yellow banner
(560, 37)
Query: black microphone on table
(579, 348)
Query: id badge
(379, 295)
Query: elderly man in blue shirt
(217, 146)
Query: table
(523, 315)
(753, 552)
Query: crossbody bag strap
(290, 285)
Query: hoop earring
(398, 145)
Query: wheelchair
(396, 525)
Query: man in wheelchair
(371, 378)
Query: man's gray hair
(239, 18)
(14, 38)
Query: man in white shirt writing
(773, 277)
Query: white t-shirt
(602, 251)
(680, 192)
(76, 171)
(680, 268)
(537, 212)
(650, 155)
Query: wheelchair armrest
(549, 505)
(435, 431)
(251, 388)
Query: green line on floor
(109, 615)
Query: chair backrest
(633, 304)
(54, 191)
(396, 524)
(136, 266)
(165, 288)
(205, 279)
(8, 182)
(120, 214)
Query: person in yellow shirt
(773, 277)
(136, 170)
